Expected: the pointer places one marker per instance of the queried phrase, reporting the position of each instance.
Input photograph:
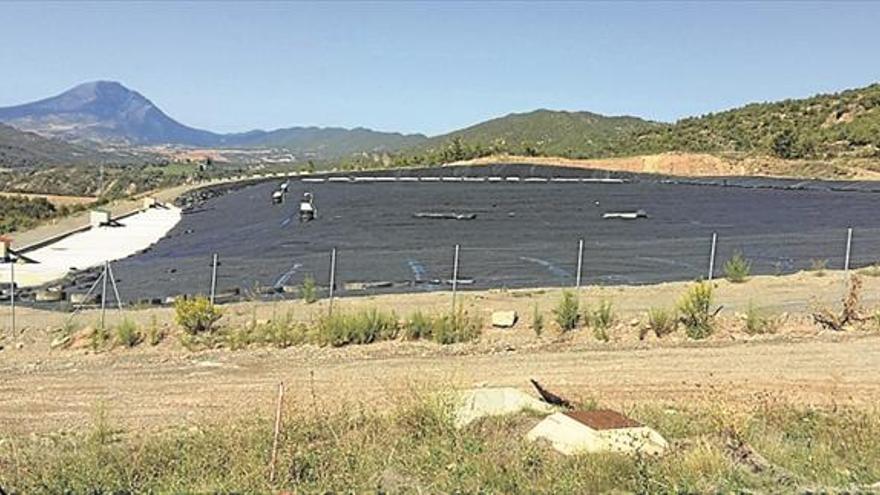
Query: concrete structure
(5, 242)
(99, 218)
(93, 247)
(503, 319)
(479, 403)
(600, 431)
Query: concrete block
(504, 319)
(482, 402)
(601, 431)
(98, 218)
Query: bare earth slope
(159, 390)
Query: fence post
(332, 277)
(454, 277)
(577, 281)
(712, 256)
(12, 292)
(113, 284)
(104, 293)
(277, 432)
(213, 277)
(849, 233)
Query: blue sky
(434, 67)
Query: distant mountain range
(107, 112)
(823, 126)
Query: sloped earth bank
(525, 232)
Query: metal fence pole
(332, 277)
(12, 292)
(849, 233)
(712, 256)
(213, 277)
(577, 282)
(454, 277)
(104, 294)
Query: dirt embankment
(706, 165)
(55, 199)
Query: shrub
(308, 290)
(362, 327)
(461, 326)
(851, 314)
(127, 334)
(99, 337)
(661, 322)
(694, 310)
(602, 316)
(418, 326)
(444, 329)
(154, 333)
(737, 268)
(567, 312)
(871, 271)
(818, 266)
(285, 332)
(537, 321)
(197, 316)
(600, 320)
(756, 322)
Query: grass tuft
(128, 334)
(600, 320)
(660, 321)
(567, 312)
(695, 313)
(737, 268)
(537, 320)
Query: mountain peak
(103, 111)
(102, 89)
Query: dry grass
(413, 447)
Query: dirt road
(156, 388)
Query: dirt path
(156, 388)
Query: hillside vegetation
(329, 142)
(824, 126)
(18, 213)
(549, 132)
(26, 149)
(835, 126)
